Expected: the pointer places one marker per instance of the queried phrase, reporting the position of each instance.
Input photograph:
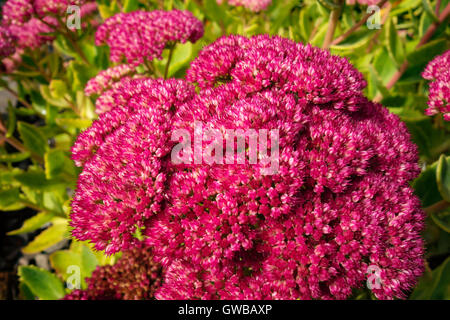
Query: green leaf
(11, 121)
(32, 138)
(25, 292)
(355, 41)
(425, 186)
(49, 237)
(50, 98)
(443, 177)
(9, 197)
(130, 5)
(33, 223)
(36, 180)
(442, 220)
(54, 163)
(79, 255)
(181, 57)
(72, 123)
(427, 52)
(394, 43)
(14, 157)
(216, 12)
(58, 88)
(434, 285)
(429, 10)
(62, 259)
(41, 283)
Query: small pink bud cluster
(141, 36)
(438, 71)
(30, 21)
(252, 5)
(135, 276)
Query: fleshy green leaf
(41, 283)
(32, 138)
(426, 52)
(434, 285)
(54, 163)
(49, 237)
(14, 157)
(443, 177)
(9, 197)
(33, 223)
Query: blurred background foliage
(48, 109)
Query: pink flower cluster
(339, 203)
(106, 78)
(54, 7)
(29, 20)
(135, 276)
(438, 71)
(141, 36)
(252, 5)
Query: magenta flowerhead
(337, 212)
(135, 276)
(438, 71)
(142, 36)
(17, 12)
(252, 5)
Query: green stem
(426, 37)
(166, 71)
(334, 18)
(24, 102)
(437, 207)
(357, 25)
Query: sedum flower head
(339, 203)
(135, 276)
(105, 79)
(252, 5)
(17, 12)
(142, 36)
(438, 71)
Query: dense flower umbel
(339, 203)
(140, 35)
(30, 20)
(106, 78)
(135, 276)
(438, 71)
(54, 7)
(252, 5)
(17, 12)
(109, 213)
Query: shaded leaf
(41, 283)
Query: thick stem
(346, 34)
(437, 207)
(334, 18)
(426, 37)
(72, 40)
(166, 71)
(22, 101)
